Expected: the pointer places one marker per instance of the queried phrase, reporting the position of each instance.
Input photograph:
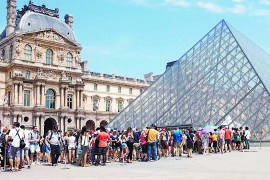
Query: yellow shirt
(152, 136)
(214, 137)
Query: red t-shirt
(103, 138)
(228, 134)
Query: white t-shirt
(71, 141)
(85, 141)
(26, 137)
(247, 134)
(16, 139)
(54, 138)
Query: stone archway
(49, 124)
(90, 124)
(103, 123)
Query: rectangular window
(69, 101)
(120, 106)
(95, 105)
(27, 74)
(119, 89)
(108, 88)
(130, 90)
(26, 98)
(95, 87)
(108, 106)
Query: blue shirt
(177, 136)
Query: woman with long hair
(130, 142)
(143, 145)
(84, 145)
(71, 142)
(123, 141)
(190, 142)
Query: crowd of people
(23, 148)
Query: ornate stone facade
(43, 81)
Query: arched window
(11, 52)
(49, 56)
(50, 99)
(27, 52)
(69, 60)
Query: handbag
(22, 143)
(146, 137)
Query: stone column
(62, 97)
(21, 94)
(38, 95)
(62, 123)
(78, 123)
(42, 95)
(81, 99)
(41, 125)
(16, 94)
(75, 100)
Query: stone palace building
(43, 80)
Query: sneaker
(12, 170)
(38, 163)
(28, 166)
(17, 170)
(103, 164)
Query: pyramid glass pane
(219, 81)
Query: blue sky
(134, 37)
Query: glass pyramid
(221, 80)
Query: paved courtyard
(235, 165)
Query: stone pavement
(234, 165)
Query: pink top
(143, 140)
(221, 134)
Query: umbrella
(211, 126)
(207, 130)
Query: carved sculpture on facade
(51, 36)
(64, 76)
(40, 74)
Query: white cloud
(262, 12)
(238, 1)
(183, 3)
(211, 7)
(238, 9)
(265, 2)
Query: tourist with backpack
(34, 145)
(54, 141)
(15, 137)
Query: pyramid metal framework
(222, 79)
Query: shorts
(124, 145)
(14, 152)
(164, 144)
(115, 147)
(26, 151)
(71, 147)
(227, 141)
(221, 142)
(34, 148)
(178, 145)
(215, 144)
(144, 148)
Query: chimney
(69, 20)
(11, 16)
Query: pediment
(50, 35)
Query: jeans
(247, 143)
(55, 153)
(102, 151)
(151, 146)
(93, 153)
